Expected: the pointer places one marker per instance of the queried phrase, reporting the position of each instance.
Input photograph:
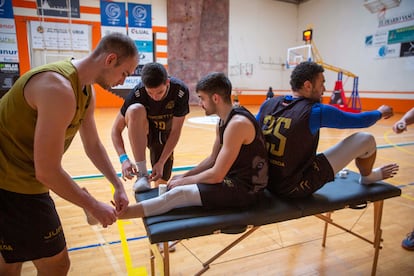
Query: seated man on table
(291, 127)
(236, 172)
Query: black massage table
(189, 222)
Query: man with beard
(291, 126)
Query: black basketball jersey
(289, 141)
(161, 113)
(250, 167)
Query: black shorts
(30, 227)
(316, 173)
(156, 145)
(220, 195)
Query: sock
(142, 167)
(374, 176)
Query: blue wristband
(123, 158)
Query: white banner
(8, 41)
(59, 36)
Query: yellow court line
(132, 271)
(407, 197)
(394, 145)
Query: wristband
(123, 158)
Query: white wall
(260, 32)
(267, 28)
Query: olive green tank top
(17, 127)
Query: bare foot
(380, 173)
(89, 218)
(389, 170)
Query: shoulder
(178, 85)
(138, 91)
(241, 120)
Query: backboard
(296, 55)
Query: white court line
(108, 252)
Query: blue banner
(139, 15)
(113, 14)
(6, 9)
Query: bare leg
(137, 122)
(360, 146)
(58, 264)
(89, 218)
(380, 173)
(13, 269)
(181, 196)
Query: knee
(63, 264)
(367, 141)
(366, 138)
(135, 111)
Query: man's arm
(328, 116)
(128, 169)
(99, 157)
(406, 119)
(51, 95)
(239, 131)
(172, 140)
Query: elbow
(216, 178)
(44, 176)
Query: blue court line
(92, 176)
(393, 145)
(405, 185)
(102, 244)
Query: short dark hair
(215, 83)
(122, 45)
(304, 71)
(153, 74)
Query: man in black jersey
(154, 113)
(291, 127)
(235, 174)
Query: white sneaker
(142, 184)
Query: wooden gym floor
(287, 248)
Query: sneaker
(171, 246)
(142, 184)
(408, 242)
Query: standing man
(154, 113)
(39, 117)
(291, 127)
(236, 172)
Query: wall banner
(6, 9)
(9, 55)
(407, 49)
(59, 36)
(401, 35)
(140, 30)
(113, 17)
(9, 73)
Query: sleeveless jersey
(161, 113)
(17, 127)
(289, 141)
(251, 165)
